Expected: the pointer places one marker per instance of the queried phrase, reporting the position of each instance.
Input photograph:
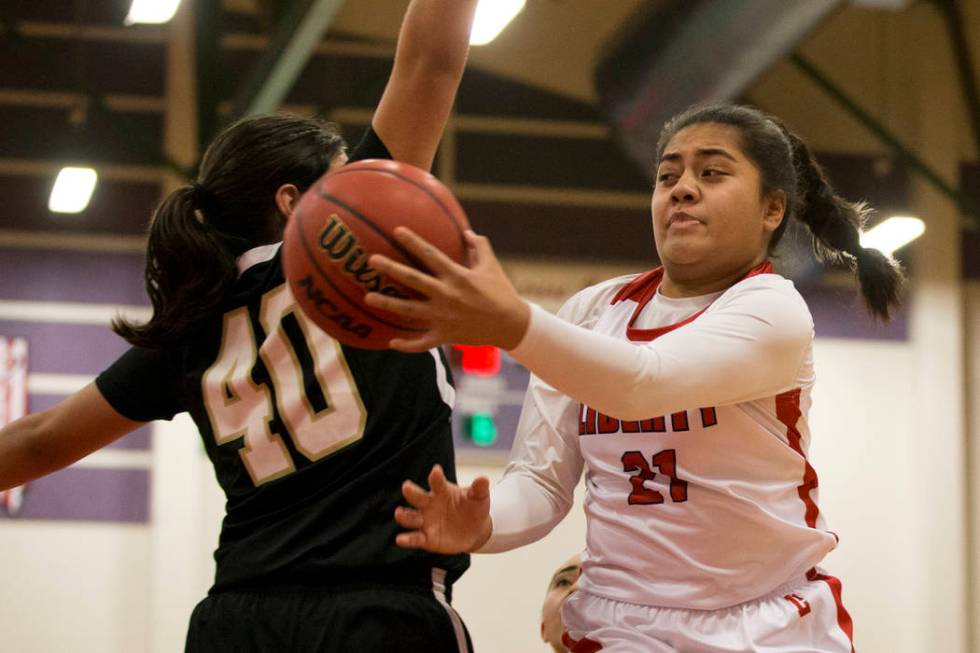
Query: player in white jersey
(683, 392)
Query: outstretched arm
(429, 61)
(751, 344)
(535, 493)
(45, 442)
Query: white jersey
(689, 416)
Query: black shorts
(354, 619)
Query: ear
(774, 210)
(542, 633)
(286, 198)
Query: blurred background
(549, 150)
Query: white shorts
(804, 616)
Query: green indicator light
(483, 431)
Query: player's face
(710, 219)
(563, 583)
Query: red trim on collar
(642, 289)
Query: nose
(685, 190)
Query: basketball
(345, 217)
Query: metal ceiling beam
(684, 52)
(299, 32)
(917, 164)
(208, 64)
(953, 15)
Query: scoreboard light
(481, 429)
(480, 360)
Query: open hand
(475, 305)
(447, 518)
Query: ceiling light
(892, 234)
(151, 12)
(72, 190)
(492, 16)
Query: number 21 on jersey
(315, 394)
(664, 461)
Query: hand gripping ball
(349, 214)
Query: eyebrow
(562, 571)
(701, 152)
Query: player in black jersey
(310, 440)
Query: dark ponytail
(786, 163)
(198, 231)
(188, 270)
(836, 226)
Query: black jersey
(310, 439)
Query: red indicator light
(480, 360)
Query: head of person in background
(563, 582)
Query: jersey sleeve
(751, 343)
(141, 385)
(370, 147)
(538, 486)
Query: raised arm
(45, 442)
(429, 61)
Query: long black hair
(786, 163)
(198, 231)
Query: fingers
(472, 256)
(479, 490)
(410, 308)
(409, 518)
(417, 345)
(411, 540)
(479, 246)
(429, 254)
(437, 480)
(415, 279)
(415, 495)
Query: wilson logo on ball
(346, 216)
(339, 243)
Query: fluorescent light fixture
(492, 16)
(151, 12)
(893, 234)
(72, 190)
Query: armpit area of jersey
(370, 147)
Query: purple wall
(36, 275)
(87, 494)
(71, 276)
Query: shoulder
(259, 270)
(141, 384)
(583, 307)
(767, 287)
(770, 299)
